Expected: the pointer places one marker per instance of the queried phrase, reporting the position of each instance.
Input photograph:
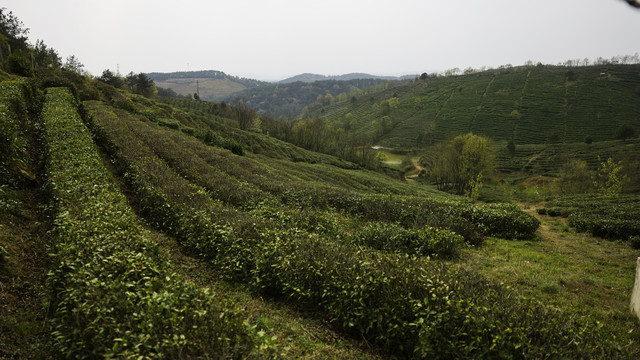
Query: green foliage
(574, 178)
(12, 32)
(112, 79)
(289, 100)
(546, 102)
(609, 178)
(462, 162)
(625, 131)
(212, 138)
(588, 139)
(19, 63)
(291, 245)
(16, 99)
(603, 216)
(419, 309)
(141, 84)
(112, 294)
(428, 240)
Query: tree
(46, 57)
(19, 63)
(243, 114)
(14, 32)
(625, 131)
(609, 179)
(111, 79)
(73, 64)
(424, 76)
(574, 178)
(462, 163)
(141, 84)
(588, 139)
(511, 146)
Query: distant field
(210, 89)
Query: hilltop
(213, 84)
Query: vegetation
(516, 104)
(112, 294)
(606, 217)
(400, 268)
(462, 163)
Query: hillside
(213, 85)
(526, 105)
(351, 253)
(289, 99)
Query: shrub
(634, 241)
(19, 63)
(625, 131)
(424, 241)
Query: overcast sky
(274, 39)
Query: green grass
(566, 269)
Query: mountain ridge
(311, 77)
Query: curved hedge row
(113, 295)
(409, 306)
(414, 308)
(499, 220)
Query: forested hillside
(289, 99)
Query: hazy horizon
(278, 39)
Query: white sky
(274, 39)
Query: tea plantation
(376, 260)
(524, 104)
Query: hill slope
(213, 85)
(527, 105)
(375, 256)
(289, 99)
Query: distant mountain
(212, 84)
(308, 77)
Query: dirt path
(412, 175)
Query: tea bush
(16, 99)
(408, 305)
(601, 216)
(426, 241)
(414, 308)
(113, 295)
